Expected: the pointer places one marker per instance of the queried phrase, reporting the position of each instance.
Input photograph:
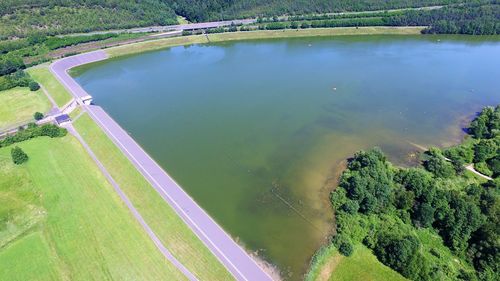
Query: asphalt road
(241, 265)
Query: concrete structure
(62, 119)
(87, 100)
(241, 265)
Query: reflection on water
(255, 130)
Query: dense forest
(22, 17)
(474, 19)
(437, 221)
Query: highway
(241, 265)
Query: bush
(484, 149)
(33, 131)
(346, 248)
(38, 116)
(483, 169)
(18, 156)
(437, 165)
(33, 86)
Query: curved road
(241, 265)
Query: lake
(257, 132)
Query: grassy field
(61, 220)
(330, 265)
(42, 75)
(175, 235)
(260, 34)
(18, 105)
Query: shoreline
(153, 45)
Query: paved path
(166, 253)
(234, 258)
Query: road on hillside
(241, 265)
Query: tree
(484, 149)
(18, 155)
(437, 165)
(402, 254)
(33, 86)
(346, 248)
(486, 124)
(369, 181)
(458, 225)
(350, 207)
(38, 116)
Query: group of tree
(19, 18)
(33, 131)
(481, 18)
(18, 79)
(482, 149)
(392, 211)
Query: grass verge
(329, 264)
(42, 75)
(18, 105)
(167, 225)
(61, 220)
(260, 34)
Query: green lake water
(255, 131)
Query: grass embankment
(168, 226)
(17, 105)
(260, 34)
(329, 264)
(61, 220)
(42, 75)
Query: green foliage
(34, 86)
(368, 181)
(34, 131)
(483, 168)
(346, 248)
(16, 79)
(18, 155)
(38, 116)
(60, 42)
(402, 254)
(484, 150)
(10, 63)
(486, 124)
(437, 165)
(431, 217)
(24, 17)
(494, 165)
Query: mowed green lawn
(168, 226)
(19, 104)
(361, 265)
(42, 75)
(61, 220)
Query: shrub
(38, 116)
(351, 207)
(33, 86)
(346, 248)
(18, 156)
(437, 165)
(484, 149)
(483, 168)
